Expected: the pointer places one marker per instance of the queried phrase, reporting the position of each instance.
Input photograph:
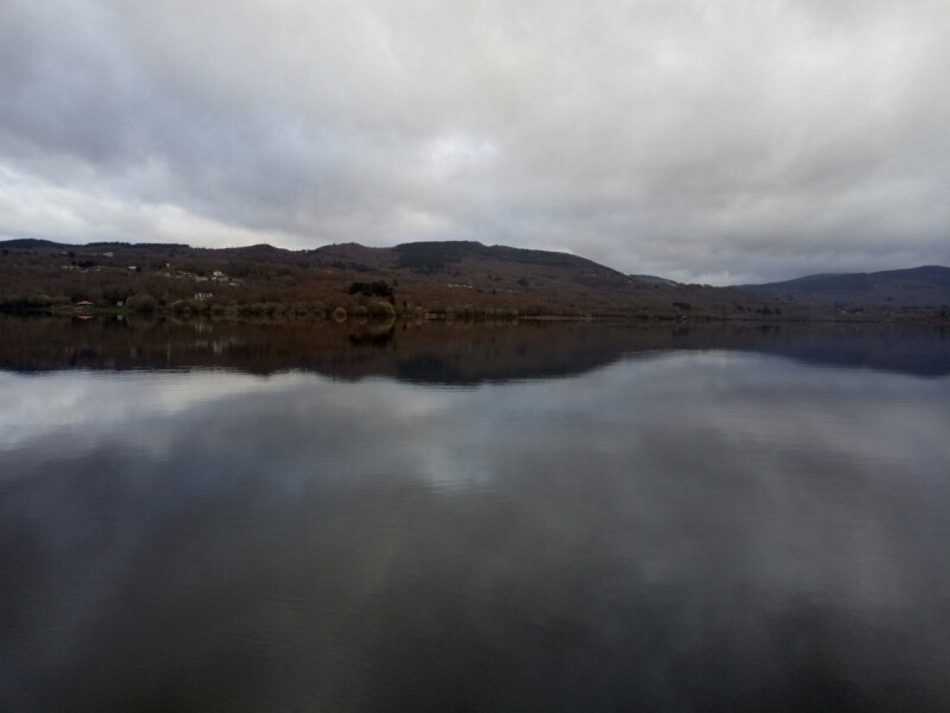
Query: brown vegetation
(412, 281)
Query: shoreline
(287, 314)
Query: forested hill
(466, 279)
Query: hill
(440, 279)
(926, 287)
(465, 279)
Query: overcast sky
(703, 141)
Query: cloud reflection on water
(690, 531)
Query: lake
(438, 517)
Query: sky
(703, 141)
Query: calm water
(503, 519)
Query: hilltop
(919, 288)
(441, 279)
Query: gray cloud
(702, 140)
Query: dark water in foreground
(570, 519)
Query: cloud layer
(699, 140)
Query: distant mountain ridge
(919, 286)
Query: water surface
(591, 526)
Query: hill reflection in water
(450, 353)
